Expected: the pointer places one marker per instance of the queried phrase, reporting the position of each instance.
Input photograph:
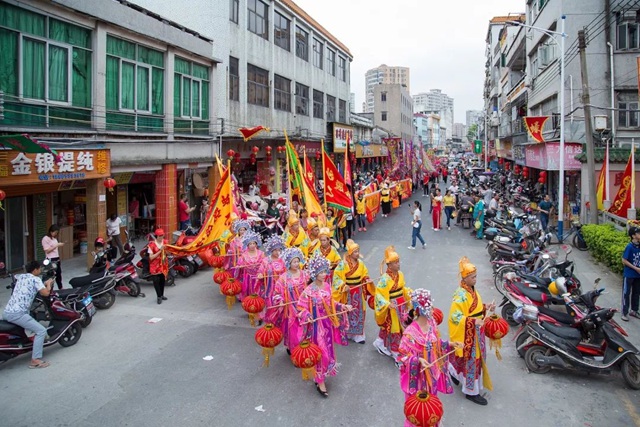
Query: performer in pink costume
(234, 250)
(250, 262)
(270, 271)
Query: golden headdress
(352, 246)
(311, 223)
(325, 231)
(390, 255)
(293, 218)
(466, 268)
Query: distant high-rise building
(392, 110)
(436, 101)
(473, 116)
(459, 131)
(384, 74)
(352, 102)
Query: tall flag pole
(347, 166)
(324, 178)
(633, 173)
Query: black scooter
(564, 347)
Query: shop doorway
(13, 242)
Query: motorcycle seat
(566, 332)
(561, 317)
(9, 327)
(535, 279)
(78, 282)
(65, 293)
(534, 295)
(509, 246)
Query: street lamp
(553, 35)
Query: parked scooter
(124, 271)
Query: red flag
(347, 166)
(248, 133)
(534, 125)
(309, 176)
(336, 193)
(622, 202)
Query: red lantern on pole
(541, 180)
(109, 183)
(230, 153)
(230, 287)
(268, 337)
(255, 149)
(495, 327)
(305, 356)
(253, 304)
(500, 160)
(423, 409)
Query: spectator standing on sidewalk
(50, 246)
(544, 207)
(631, 276)
(113, 231)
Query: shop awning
(25, 144)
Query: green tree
(472, 132)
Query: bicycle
(575, 230)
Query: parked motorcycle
(100, 286)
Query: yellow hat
(325, 231)
(311, 223)
(233, 216)
(293, 218)
(352, 246)
(466, 268)
(390, 255)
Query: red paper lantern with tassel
(268, 157)
(217, 261)
(220, 276)
(253, 304)
(305, 356)
(230, 287)
(3, 195)
(371, 302)
(268, 149)
(252, 159)
(438, 316)
(543, 175)
(423, 409)
(109, 183)
(268, 337)
(318, 155)
(255, 149)
(230, 153)
(495, 328)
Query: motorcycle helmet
(98, 242)
(558, 286)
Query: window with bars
(258, 18)
(234, 8)
(318, 107)
(331, 62)
(302, 44)
(342, 68)
(281, 93)
(331, 108)
(234, 79)
(342, 111)
(257, 86)
(302, 99)
(317, 52)
(281, 32)
(191, 90)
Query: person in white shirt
(416, 225)
(113, 231)
(50, 246)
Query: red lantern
(268, 149)
(109, 183)
(217, 261)
(237, 157)
(268, 157)
(495, 328)
(507, 166)
(255, 149)
(220, 276)
(318, 155)
(252, 159)
(371, 302)
(541, 180)
(281, 149)
(230, 153)
(305, 356)
(543, 175)
(2, 195)
(268, 337)
(423, 409)
(525, 172)
(438, 316)
(230, 287)
(253, 304)
(500, 160)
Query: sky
(442, 42)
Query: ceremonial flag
(602, 189)
(336, 193)
(347, 166)
(218, 220)
(622, 201)
(248, 133)
(298, 183)
(534, 126)
(293, 169)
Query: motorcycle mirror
(46, 262)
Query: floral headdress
(422, 302)
(241, 223)
(272, 243)
(290, 253)
(316, 265)
(251, 236)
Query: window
(318, 108)
(342, 69)
(342, 111)
(257, 18)
(383, 116)
(282, 93)
(233, 10)
(281, 33)
(302, 44)
(331, 108)
(257, 86)
(628, 110)
(331, 62)
(628, 36)
(317, 52)
(383, 97)
(234, 79)
(191, 90)
(302, 99)
(135, 77)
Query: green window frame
(191, 90)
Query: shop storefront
(41, 192)
(370, 156)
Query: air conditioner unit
(495, 121)
(527, 81)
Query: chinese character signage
(547, 156)
(28, 168)
(340, 133)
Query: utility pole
(586, 101)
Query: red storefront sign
(547, 156)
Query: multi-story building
(119, 92)
(370, 151)
(428, 130)
(352, 102)
(436, 101)
(393, 110)
(459, 132)
(284, 70)
(384, 74)
(473, 116)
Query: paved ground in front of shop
(126, 371)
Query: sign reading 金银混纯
(27, 168)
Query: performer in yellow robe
(466, 325)
(314, 242)
(351, 285)
(326, 249)
(294, 236)
(391, 304)
(227, 236)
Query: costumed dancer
(391, 299)
(351, 285)
(321, 319)
(249, 263)
(234, 248)
(385, 200)
(287, 291)
(227, 235)
(271, 269)
(466, 325)
(313, 229)
(422, 352)
(327, 249)
(294, 236)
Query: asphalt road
(127, 372)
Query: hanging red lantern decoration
(230, 152)
(237, 157)
(3, 195)
(507, 166)
(438, 316)
(230, 287)
(109, 183)
(525, 172)
(217, 261)
(318, 155)
(268, 157)
(305, 356)
(268, 149)
(500, 160)
(495, 328)
(541, 180)
(268, 337)
(280, 148)
(252, 158)
(253, 304)
(543, 175)
(423, 409)
(255, 149)
(220, 276)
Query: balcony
(517, 126)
